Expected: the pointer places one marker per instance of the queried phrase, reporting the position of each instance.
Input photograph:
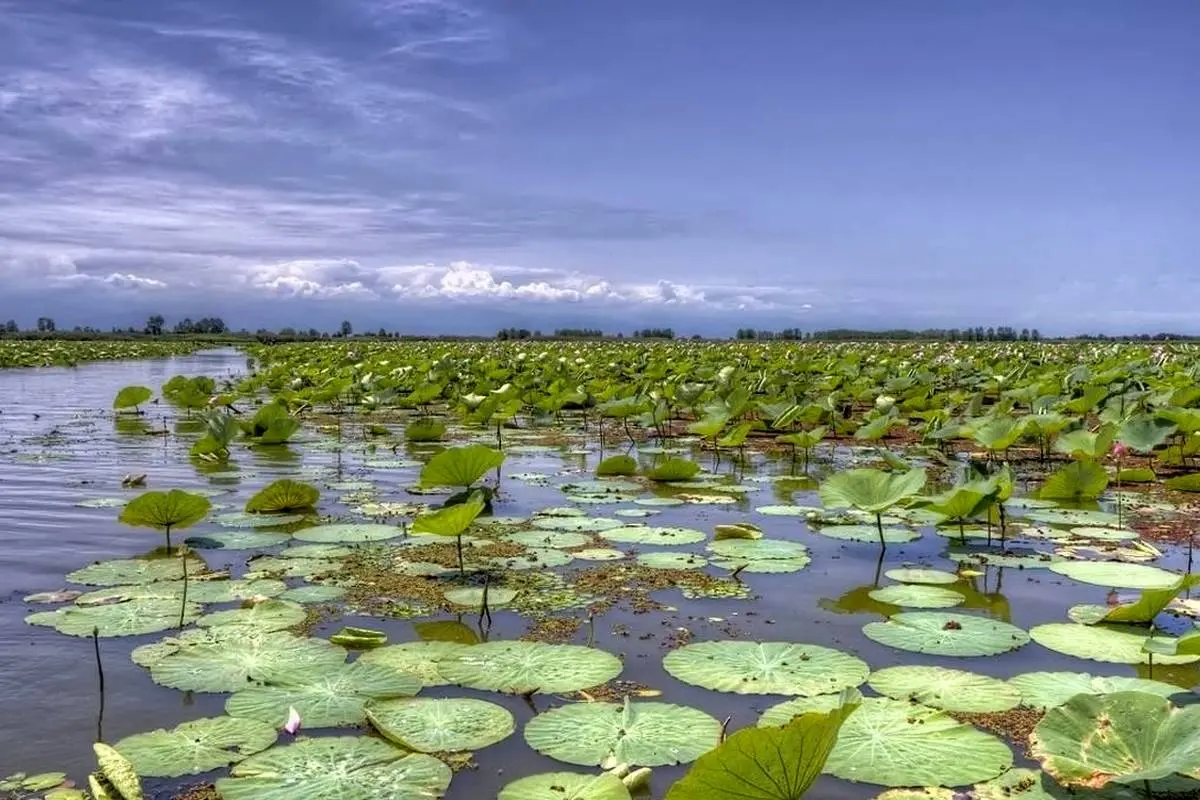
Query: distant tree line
(654, 333)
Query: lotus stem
(484, 611)
(100, 677)
(183, 601)
(462, 571)
(879, 527)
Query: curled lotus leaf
(460, 466)
(942, 634)
(1117, 644)
(766, 668)
(918, 596)
(1125, 737)
(947, 689)
(194, 747)
(337, 768)
(437, 725)
(336, 698)
(117, 772)
(130, 618)
(645, 734)
(1047, 690)
(566, 786)
(737, 530)
(519, 667)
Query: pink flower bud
(1118, 450)
(293, 721)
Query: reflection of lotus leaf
(351, 533)
(947, 689)
(918, 596)
(330, 768)
(647, 734)
(423, 659)
(130, 618)
(940, 634)
(194, 747)
(1052, 689)
(566, 786)
(766, 668)
(519, 667)
(429, 725)
(1113, 643)
(1126, 737)
(670, 560)
(921, 575)
(334, 697)
(269, 615)
(228, 665)
(1116, 574)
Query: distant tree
(11, 326)
(45, 325)
(185, 325)
(154, 324)
(347, 329)
(1035, 335)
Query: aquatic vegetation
(871, 491)
(131, 397)
(444, 725)
(284, 496)
(166, 510)
(767, 668)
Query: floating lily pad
(602, 487)
(317, 551)
(103, 502)
(1052, 689)
(269, 615)
(1112, 643)
(766, 668)
(995, 557)
(665, 502)
(333, 698)
(194, 747)
(313, 594)
(130, 618)
(560, 539)
(670, 560)
(349, 767)
(599, 554)
(236, 662)
(136, 570)
(868, 533)
(429, 725)
(423, 659)
(566, 786)
(921, 575)
(351, 533)
(519, 667)
(647, 734)
(235, 540)
(645, 534)
(786, 511)
(575, 524)
(533, 558)
(199, 591)
(635, 513)
(783, 713)
(472, 597)
(918, 596)
(1116, 574)
(1105, 534)
(947, 689)
(760, 555)
(942, 634)
(244, 519)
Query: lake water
(60, 446)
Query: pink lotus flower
(293, 721)
(1118, 450)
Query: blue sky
(458, 166)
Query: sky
(453, 166)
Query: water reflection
(974, 590)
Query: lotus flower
(1118, 450)
(293, 721)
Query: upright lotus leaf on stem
(284, 496)
(805, 441)
(961, 504)
(165, 510)
(220, 430)
(131, 397)
(425, 429)
(1080, 480)
(1144, 432)
(461, 466)
(673, 469)
(452, 521)
(617, 465)
(871, 490)
(1149, 605)
(1186, 645)
(768, 763)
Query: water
(59, 445)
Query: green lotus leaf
(353, 638)
(1116, 574)
(1126, 737)
(1021, 784)
(520, 667)
(194, 747)
(1186, 645)
(669, 560)
(941, 634)
(1184, 483)
(737, 530)
(766, 668)
(198, 591)
(1047, 690)
(313, 594)
(575, 524)
(645, 534)
(921, 575)
(175, 509)
(337, 768)
(132, 397)
(566, 786)
(472, 597)
(1149, 605)
(425, 429)
(947, 689)
(353, 533)
(422, 659)
(760, 555)
(751, 763)
(867, 533)
(869, 489)
(899, 743)
(918, 596)
(601, 487)
(269, 615)
(1079, 480)
(1105, 534)
(1116, 644)
(617, 465)
(235, 540)
(244, 519)
(645, 734)
(282, 497)
(461, 466)
(117, 772)
(429, 725)
(1144, 432)
(130, 618)
(995, 557)
(556, 539)
(334, 698)
(236, 661)
(599, 554)
(673, 469)
(451, 520)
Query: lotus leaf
(921, 575)
(283, 496)
(423, 659)
(918, 596)
(766, 668)
(1149, 605)
(235, 540)
(129, 618)
(519, 667)
(175, 509)
(566, 786)
(313, 594)
(939, 634)
(1186, 645)
(617, 465)
(760, 555)
(194, 747)
(575, 524)
(353, 533)
(1125, 737)
(1184, 483)
(337, 768)
(737, 530)
(868, 533)
(645, 734)
(451, 520)
(947, 689)
(472, 596)
(461, 466)
(1051, 689)
(429, 725)
(673, 469)
(118, 772)
(353, 638)
(869, 489)
(599, 554)
(1017, 559)
(1116, 574)
(668, 560)
(269, 615)
(556, 539)
(1113, 643)
(1079, 480)
(767, 763)
(645, 534)
(198, 591)
(131, 397)
(229, 665)
(244, 519)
